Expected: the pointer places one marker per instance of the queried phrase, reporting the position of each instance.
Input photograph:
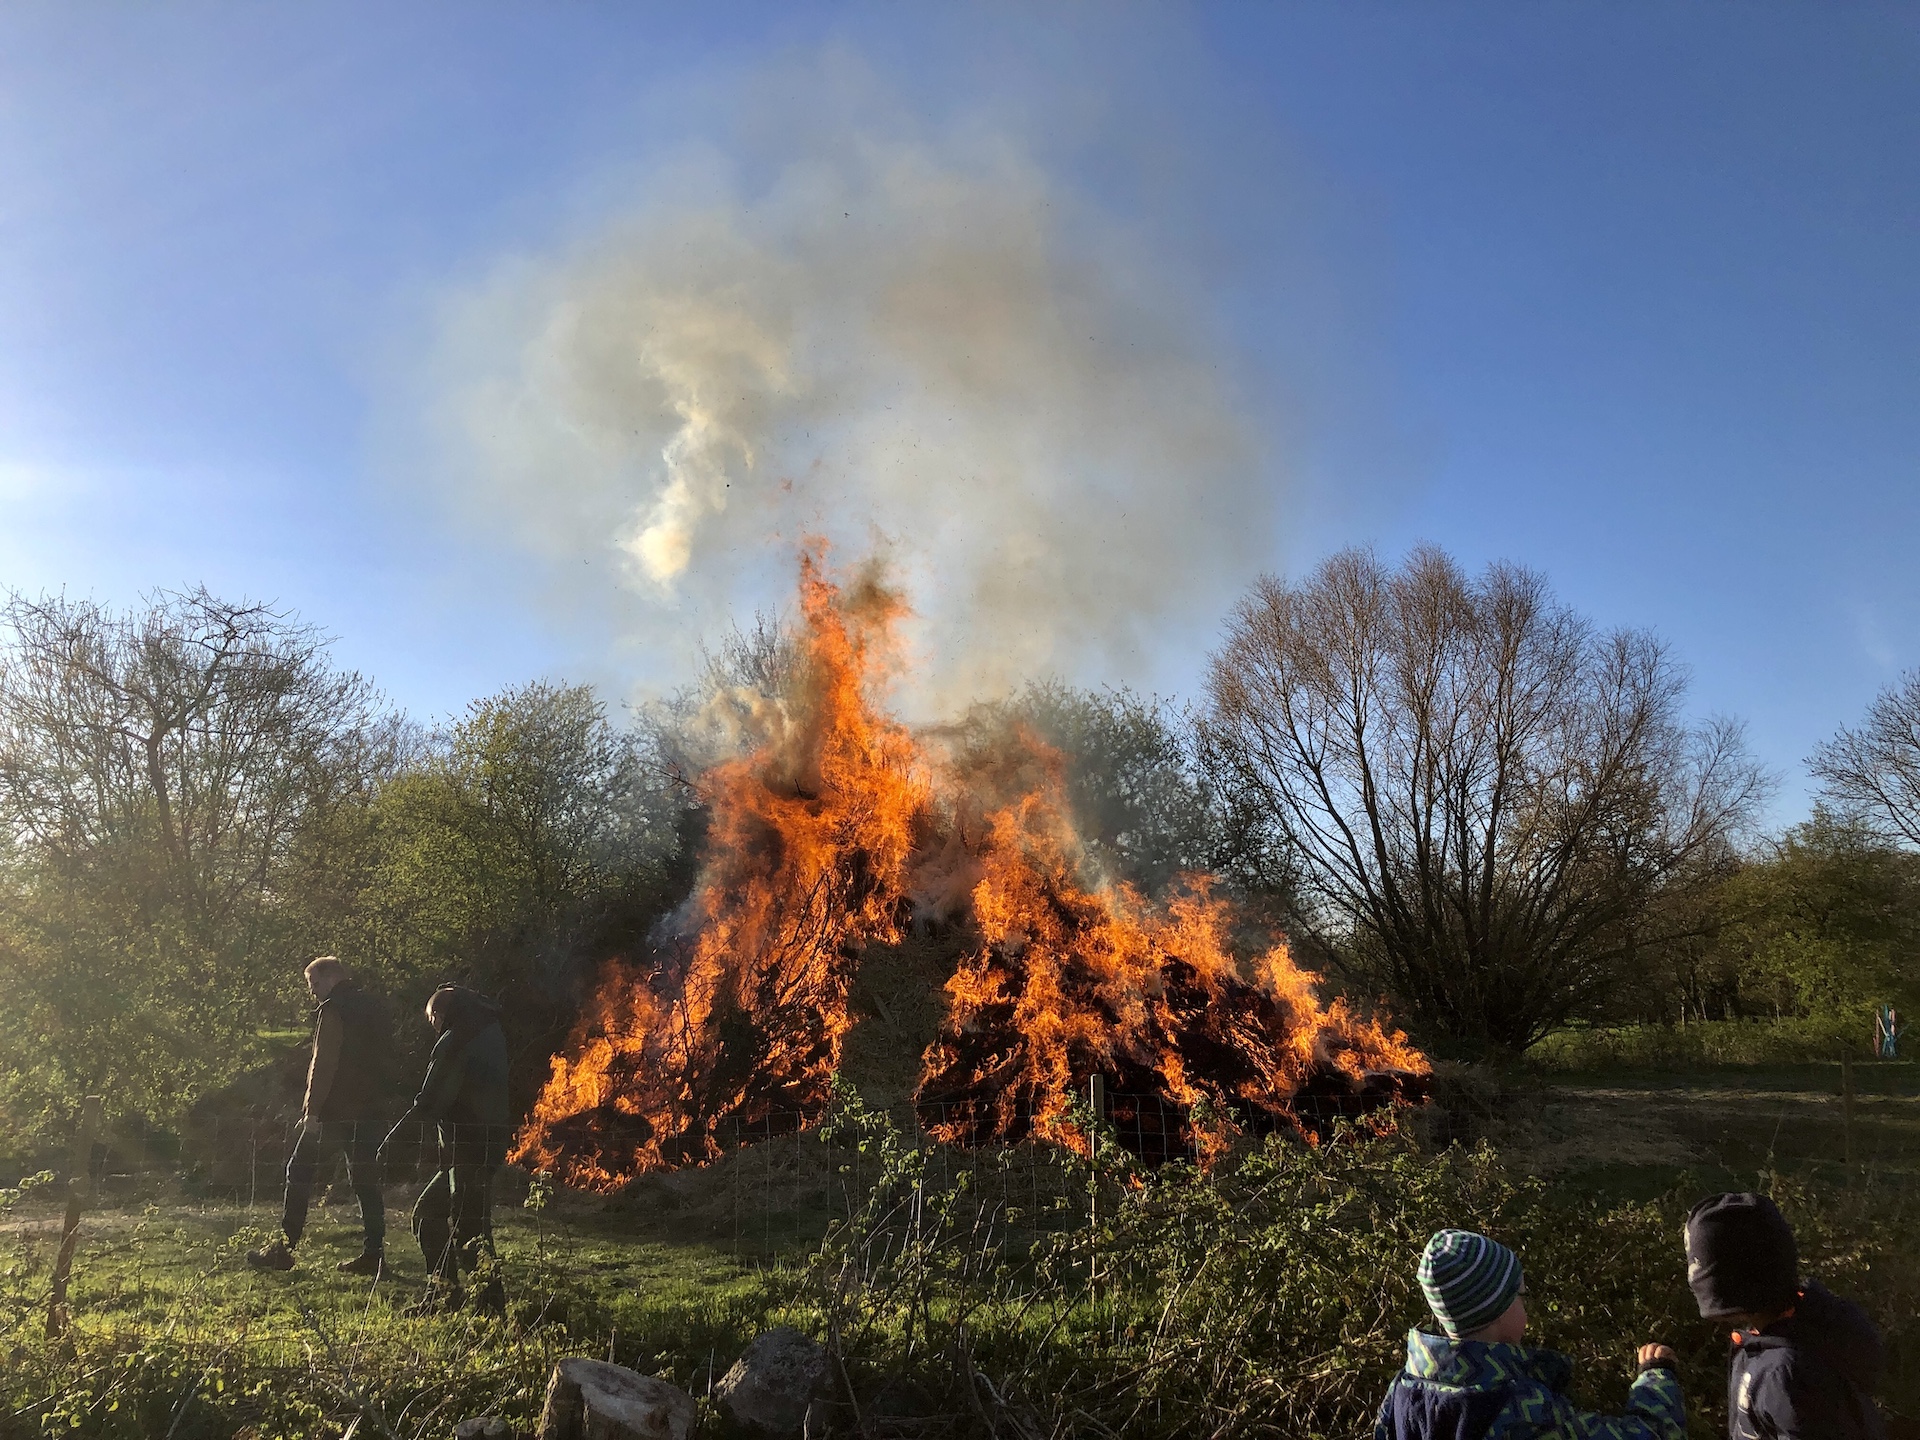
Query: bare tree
(198, 731)
(1481, 794)
(1874, 771)
(158, 772)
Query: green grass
(174, 1333)
(1270, 1296)
(1644, 1128)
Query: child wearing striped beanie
(1477, 1378)
(1472, 1283)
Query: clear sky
(1630, 293)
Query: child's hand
(1657, 1354)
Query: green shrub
(1272, 1297)
(1268, 1298)
(1714, 1042)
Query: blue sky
(1628, 293)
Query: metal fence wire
(780, 1177)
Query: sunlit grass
(1270, 1296)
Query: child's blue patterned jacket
(1476, 1390)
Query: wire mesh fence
(780, 1177)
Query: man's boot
(277, 1256)
(371, 1260)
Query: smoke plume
(924, 345)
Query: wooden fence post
(1846, 1100)
(1097, 1103)
(79, 1194)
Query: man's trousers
(320, 1141)
(453, 1219)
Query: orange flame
(825, 839)
(806, 860)
(1068, 982)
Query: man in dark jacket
(1804, 1363)
(337, 1118)
(465, 1094)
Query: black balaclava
(1741, 1258)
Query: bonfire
(835, 830)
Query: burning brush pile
(837, 830)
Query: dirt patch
(1556, 1129)
(1566, 1130)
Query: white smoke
(926, 345)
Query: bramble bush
(1272, 1296)
(1269, 1297)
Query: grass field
(224, 1350)
(1640, 1131)
(1072, 1325)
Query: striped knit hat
(1469, 1280)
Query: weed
(1024, 1293)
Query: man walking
(342, 1085)
(465, 1092)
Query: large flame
(807, 851)
(833, 831)
(1068, 981)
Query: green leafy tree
(1138, 802)
(525, 843)
(1827, 923)
(158, 770)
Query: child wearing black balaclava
(1803, 1363)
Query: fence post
(1846, 1100)
(1097, 1103)
(79, 1192)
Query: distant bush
(1708, 1043)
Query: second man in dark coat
(465, 1095)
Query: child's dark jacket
(1808, 1376)
(1474, 1390)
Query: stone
(592, 1400)
(771, 1387)
(483, 1427)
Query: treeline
(196, 801)
(1452, 792)
(1496, 815)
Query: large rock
(483, 1427)
(770, 1388)
(592, 1400)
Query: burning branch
(829, 835)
